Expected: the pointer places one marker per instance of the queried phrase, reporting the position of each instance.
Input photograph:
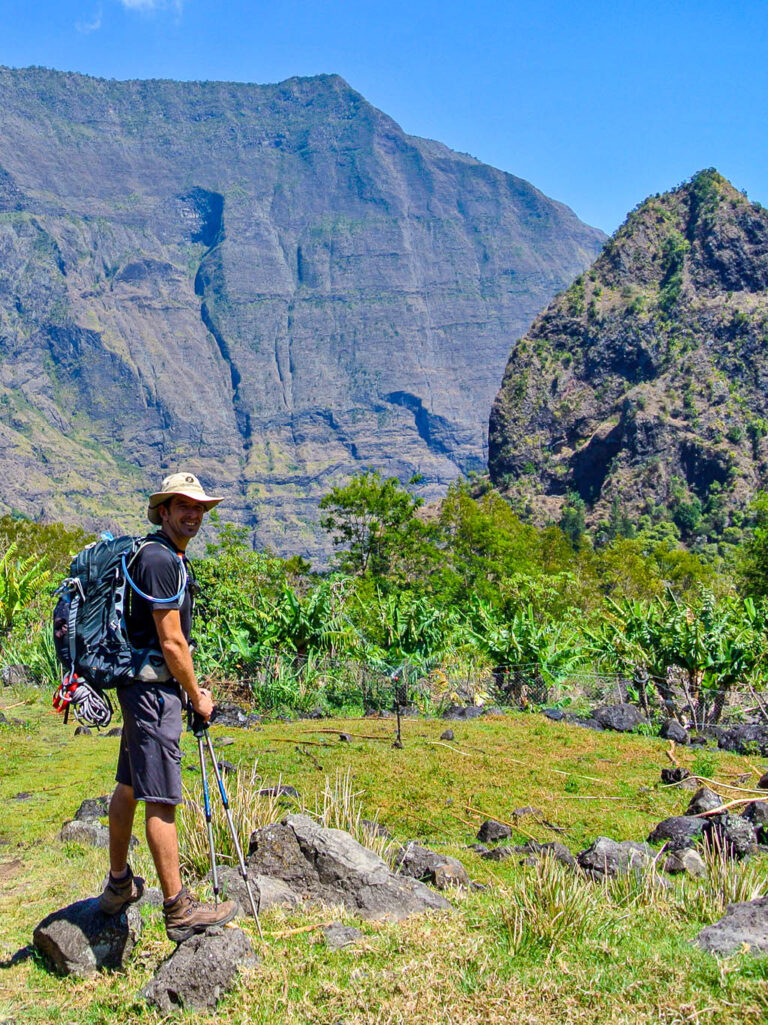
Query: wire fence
(324, 684)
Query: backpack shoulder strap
(154, 539)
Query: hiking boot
(119, 892)
(184, 916)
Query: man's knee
(122, 797)
(159, 811)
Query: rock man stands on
(149, 763)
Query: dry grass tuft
(249, 809)
(340, 806)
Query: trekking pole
(200, 730)
(197, 726)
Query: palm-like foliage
(21, 581)
(529, 653)
(712, 646)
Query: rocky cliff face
(271, 285)
(646, 382)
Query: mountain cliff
(645, 384)
(271, 285)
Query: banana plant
(529, 653)
(21, 581)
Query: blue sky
(598, 104)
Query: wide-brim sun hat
(182, 483)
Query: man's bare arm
(178, 658)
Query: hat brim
(156, 500)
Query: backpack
(89, 628)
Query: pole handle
(196, 723)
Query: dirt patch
(8, 869)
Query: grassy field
(537, 945)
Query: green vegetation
(465, 603)
(564, 948)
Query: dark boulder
(226, 713)
(372, 828)
(756, 812)
(678, 832)
(267, 891)
(745, 739)
(763, 782)
(446, 735)
(89, 832)
(200, 971)
(558, 852)
(478, 848)
(673, 776)
(462, 712)
(93, 808)
(79, 939)
(685, 862)
(621, 718)
(422, 863)
(282, 790)
(672, 730)
(19, 676)
(703, 800)
(555, 714)
(608, 857)
(731, 833)
(500, 853)
(83, 731)
(491, 831)
(743, 927)
(586, 722)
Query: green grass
(538, 945)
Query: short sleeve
(158, 573)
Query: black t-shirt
(157, 571)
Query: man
(149, 764)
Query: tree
(572, 519)
(753, 567)
(371, 522)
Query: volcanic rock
(677, 832)
(744, 926)
(608, 857)
(491, 831)
(672, 730)
(429, 866)
(200, 971)
(79, 939)
(330, 865)
(704, 800)
(622, 718)
(745, 739)
(685, 861)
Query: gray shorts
(150, 756)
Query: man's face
(182, 517)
